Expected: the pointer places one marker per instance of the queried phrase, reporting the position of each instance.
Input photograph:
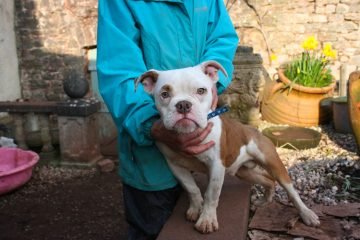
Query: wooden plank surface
(233, 214)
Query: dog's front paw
(207, 223)
(310, 218)
(193, 213)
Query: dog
(183, 98)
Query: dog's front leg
(207, 222)
(187, 181)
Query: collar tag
(218, 111)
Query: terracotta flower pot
(300, 106)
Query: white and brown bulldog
(183, 98)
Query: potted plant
(297, 96)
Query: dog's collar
(218, 111)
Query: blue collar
(218, 111)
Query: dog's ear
(148, 80)
(211, 69)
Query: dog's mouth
(186, 124)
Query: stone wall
(51, 35)
(285, 24)
(9, 76)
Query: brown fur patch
(234, 135)
(273, 163)
(148, 80)
(166, 88)
(232, 138)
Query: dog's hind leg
(307, 215)
(276, 168)
(264, 154)
(258, 176)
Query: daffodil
(310, 43)
(328, 51)
(311, 67)
(274, 57)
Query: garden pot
(354, 104)
(298, 106)
(340, 111)
(293, 137)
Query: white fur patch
(215, 136)
(247, 153)
(294, 196)
(254, 151)
(240, 160)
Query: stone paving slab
(336, 221)
(233, 214)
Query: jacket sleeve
(221, 41)
(119, 62)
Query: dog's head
(183, 96)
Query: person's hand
(215, 98)
(188, 144)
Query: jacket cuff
(148, 125)
(222, 84)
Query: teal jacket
(137, 35)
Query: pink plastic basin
(15, 168)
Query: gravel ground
(327, 174)
(64, 204)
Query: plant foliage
(310, 69)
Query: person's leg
(147, 211)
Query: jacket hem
(148, 187)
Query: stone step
(233, 214)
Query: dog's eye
(201, 91)
(165, 95)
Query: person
(133, 37)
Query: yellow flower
(310, 43)
(298, 70)
(327, 48)
(333, 54)
(328, 51)
(274, 57)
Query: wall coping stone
(72, 107)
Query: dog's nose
(183, 106)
